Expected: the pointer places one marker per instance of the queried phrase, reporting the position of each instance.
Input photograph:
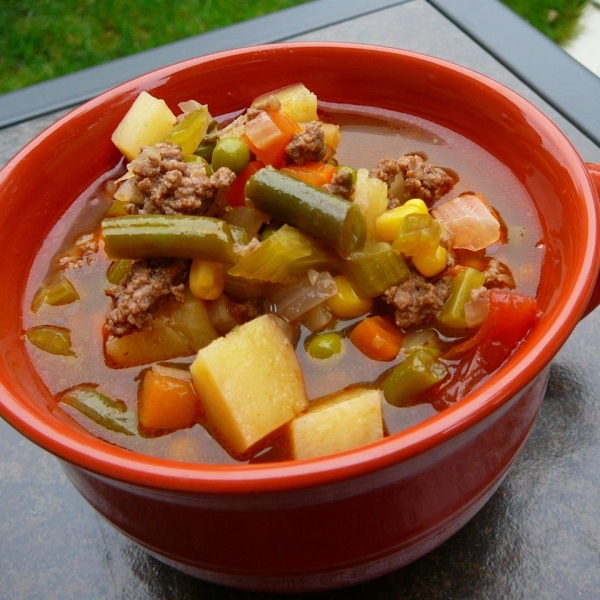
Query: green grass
(41, 39)
(557, 19)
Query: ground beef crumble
(416, 301)
(341, 185)
(308, 145)
(170, 185)
(146, 286)
(421, 178)
(498, 275)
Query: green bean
(313, 210)
(232, 153)
(169, 236)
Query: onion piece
(128, 191)
(295, 299)
(477, 310)
(470, 221)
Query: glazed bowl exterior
(336, 520)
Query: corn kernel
(430, 265)
(346, 303)
(388, 224)
(207, 279)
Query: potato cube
(337, 423)
(147, 122)
(249, 382)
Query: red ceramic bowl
(341, 519)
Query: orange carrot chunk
(268, 134)
(377, 338)
(314, 173)
(166, 402)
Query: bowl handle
(594, 170)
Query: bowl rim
(112, 462)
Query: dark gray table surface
(539, 535)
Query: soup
(362, 290)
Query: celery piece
(118, 270)
(57, 291)
(106, 412)
(453, 313)
(374, 269)
(419, 372)
(313, 210)
(276, 259)
(169, 236)
(190, 131)
(419, 234)
(52, 339)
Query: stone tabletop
(538, 537)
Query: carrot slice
(268, 134)
(166, 402)
(377, 338)
(314, 173)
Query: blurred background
(42, 39)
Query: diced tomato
(512, 316)
(235, 196)
(314, 173)
(268, 134)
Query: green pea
(232, 153)
(324, 345)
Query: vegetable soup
(295, 280)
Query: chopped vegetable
(236, 193)
(511, 318)
(418, 373)
(374, 269)
(248, 395)
(268, 134)
(378, 338)
(167, 401)
(58, 291)
(106, 412)
(453, 313)
(147, 121)
(52, 339)
(294, 300)
(470, 221)
(190, 131)
(330, 425)
(313, 210)
(175, 236)
(296, 101)
(178, 329)
(118, 270)
(370, 195)
(314, 173)
(419, 234)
